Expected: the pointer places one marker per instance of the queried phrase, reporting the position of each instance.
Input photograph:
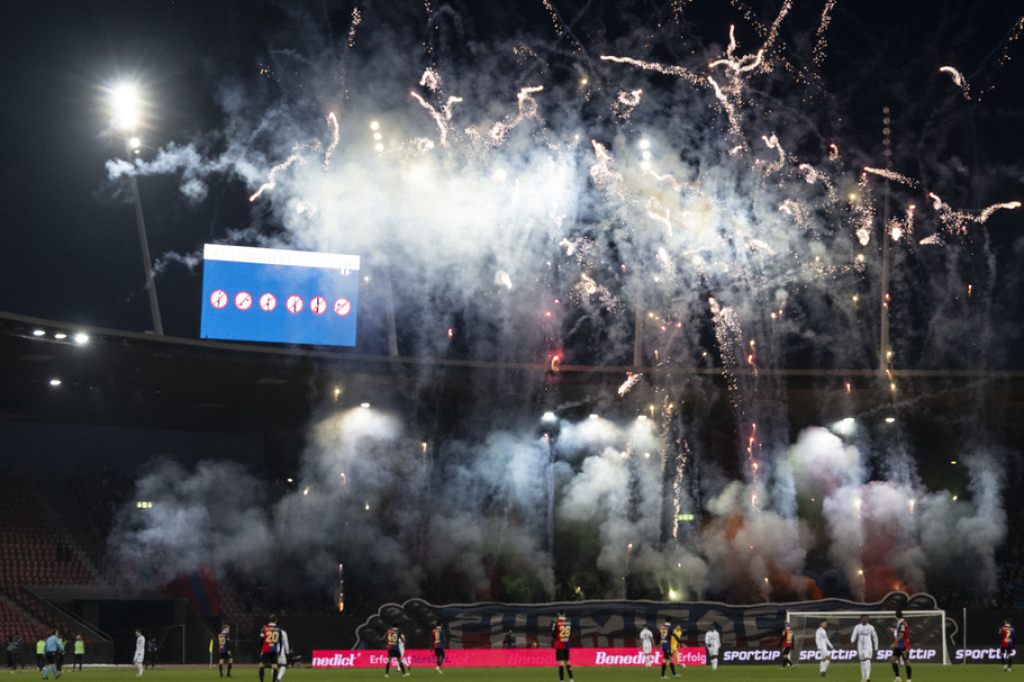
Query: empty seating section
(34, 552)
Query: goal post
(928, 640)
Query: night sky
(69, 248)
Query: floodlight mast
(126, 106)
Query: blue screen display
(278, 296)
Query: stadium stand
(34, 551)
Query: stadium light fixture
(365, 406)
(81, 338)
(641, 417)
(594, 416)
(126, 106)
(38, 332)
(890, 420)
(549, 418)
(845, 427)
(55, 382)
(60, 336)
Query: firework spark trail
(899, 228)
(957, 222)
(797, 211)
(631, 381)
(1006, 206)
(332, 122)
(892, 175)
(744, 64)
(730, 112)
(626, 102)
(863, 212)
(431, 80)
(357, 18)
(527, 109)
(439, 118)
(271, 183)
(821, 41)
(603, 175)
(1011, 38)
(679, 71)
(773, 31)
(561, 28)
(772, 142)
(958, 80)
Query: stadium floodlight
(845, 427)
(126, 106)
(60, 336)
(927, 632)
(38, 332)
(55, 382)
(549, 417)
(890, 420)
(594, 416)
(365, 406)
(641, 417)
(81, 338)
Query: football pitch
(744, 673)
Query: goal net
(927, 634)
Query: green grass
(735, 673)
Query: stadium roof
(124, 378)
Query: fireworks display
(704, 213)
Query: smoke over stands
(547, 195)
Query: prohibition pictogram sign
(219, 299)
(342, 307)
(268, 302)
(294, 304)
(243, 300)
(317, 305)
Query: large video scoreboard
(279, 296)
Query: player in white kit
(647, 642)
(140, 652)
(825, 647)
(713, 641)
(283, 651)
(866, 640)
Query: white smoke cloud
(708, 207)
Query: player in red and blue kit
(224, 654)
(901, 646)
(270, 647)
(393, 639)
(1007, 637)
(561, 632)
(665, 635)
(439, 643)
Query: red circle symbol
(342, 307)
(219, 299)
(268, 302)
(317, 305)
(294, 304)
(243, 300)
